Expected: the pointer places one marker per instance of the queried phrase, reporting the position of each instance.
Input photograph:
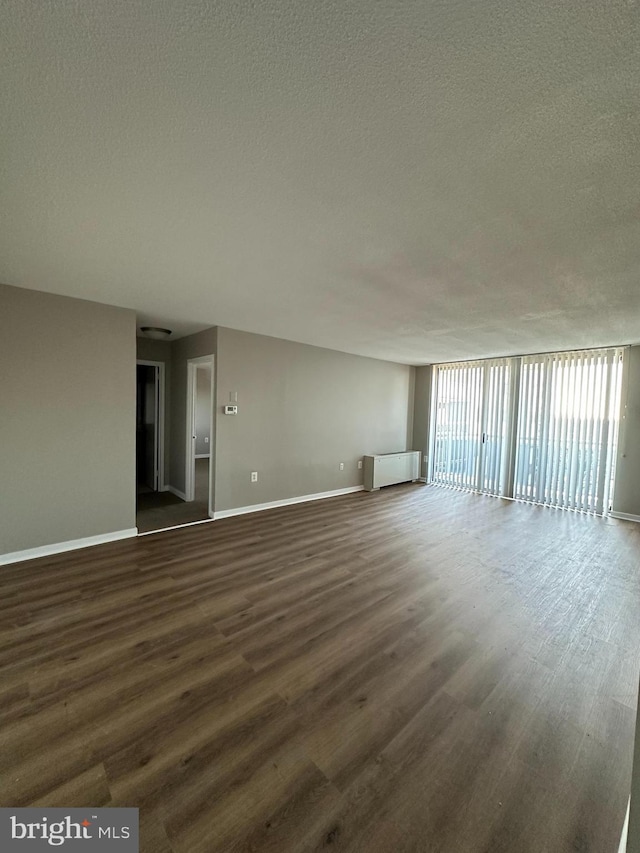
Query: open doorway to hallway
(174, 503)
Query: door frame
(190, 445)
(159, 426)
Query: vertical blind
(457, 426)
(567, 429)
(494, 451)
(539, 428)
(472, 405)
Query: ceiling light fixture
(155, 332)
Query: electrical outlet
(206, 439)
(359, 463)
(254, 476)
(342, 466)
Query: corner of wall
(421, 414)
(626, 498)
(411, 408)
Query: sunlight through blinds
(540, 428)
(470, 428)
(567, 429)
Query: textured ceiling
(420, 181)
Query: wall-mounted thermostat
(231, 410)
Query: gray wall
(421, 413)
(67, 419)
(627, 488)
(301, 411)
(203, 410)
(193, 346)
(150, 350)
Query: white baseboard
(243, 510)
(163, 489)
(202, 455)
(177, 526)
(177, 493)
(71, 545)
(625, 830)
(624, 516)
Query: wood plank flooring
(409, 671)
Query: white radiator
(389, 468)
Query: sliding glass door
(538, 428)
(567, 429)
(470, 425)
(495, 427)
(456, 449)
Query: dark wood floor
(410, 670)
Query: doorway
(199, 432)
(163, 505)
(149, 438)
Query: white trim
(624, 516)
(176, 492)
(432, 423)
(161, 415)
(625, 830)
(212, 438)
(243, 510)
(176, 526)
(190, 454)
(202, 455)
(70, 545)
